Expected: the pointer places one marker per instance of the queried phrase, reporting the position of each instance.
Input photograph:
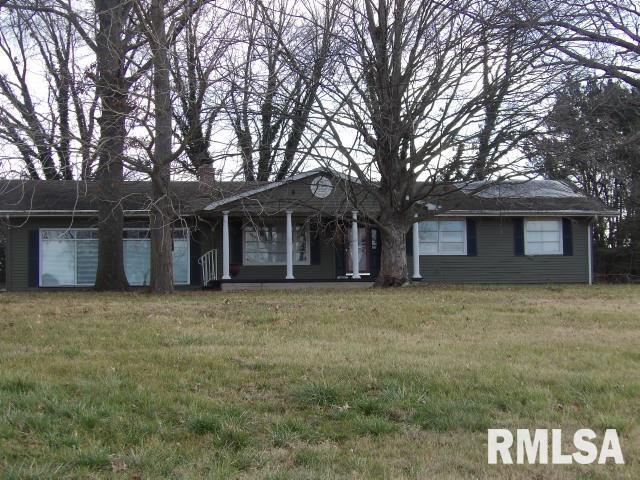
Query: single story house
(313, 227)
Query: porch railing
(209, 266)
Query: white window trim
(464, 236)
(75, 273)
(245, 228)
(539, 219)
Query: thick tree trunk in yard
(111, 88)
(161, 212)
(160, 220)
(393, 262)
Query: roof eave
(521, 213)
(70, 213)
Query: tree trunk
(111, 87)
(393, 262)
(161, 210)
(161, 237)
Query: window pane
(87, 261)
(534, 248)
(452, 226)
(86, 234)
(251, 235)
(534, 236)
(451, 237)
(428, 226)
(452, 248)
(428, 248)
(534, 225)
(180, 261)
(137, 261)
(429, 237)
(550, 247)
(550, 236)
(58, 262)
(279, 257)
(136, 234)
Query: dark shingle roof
(542, 196)
(82, 196)
(61, 196)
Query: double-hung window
(543, 237)
(443, 237)
(266, 244)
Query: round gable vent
(321, 187)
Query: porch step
(212, 285)
(230, 286)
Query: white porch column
(590, 249)
(225, 246)
(289, 247)
(416, 251)
(355, 241)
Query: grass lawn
(313, 384)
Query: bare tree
(196, 70)
(151, 18)
(516, 87)
(112, 45)
(108, 32)
(35, 131)
(274, 82)
(49, 113)
(410, 94)
(160, 22)
(601, 35)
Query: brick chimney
(206, 177)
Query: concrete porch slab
(229, 287)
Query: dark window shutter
(235, 241)
(567, 237)
(34, 258)
(316, 245)
(194, 253)
(518, 237)
(340, 253)
(472, 243)
(375, 252)
(409, 241)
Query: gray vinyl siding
(496, 262)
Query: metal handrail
(209, 266)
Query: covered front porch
(292, 247)
(313, 227)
